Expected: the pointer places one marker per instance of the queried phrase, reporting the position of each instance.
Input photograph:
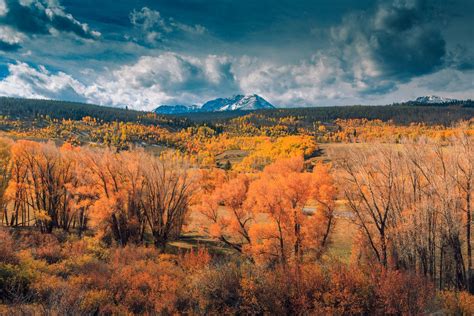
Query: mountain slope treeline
(405, 113)
(27, 109)
(399, 114)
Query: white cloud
(3, 8)
(169, 77)
(308, 83)
(26, 81)
(149, 82)
(192, 29)
(10, 36)
(172, 78)
(148, 19)
(82, 29)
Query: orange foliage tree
(167, 191)
(5, 175)
(137, 191)
(118, 183)
(39, 187)
(226, 210)
(278, 215)
(284, 194)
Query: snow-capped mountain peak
(234, 103)
(432, 99)
(239, 102)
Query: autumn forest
(259, 213)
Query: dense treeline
(129, 193)
(28, 109)
(400, 114)
(405, 113)
(463, 103)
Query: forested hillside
(445, 114)
(28, 109)
(405, 113)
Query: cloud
(449, 81)
(391, 51)
(151, 23)
(30, 82)
(460, 58)
(308, 83)
(10, 39)
(3, 8)
(153, 28)
(167, 78)
(149, 82)
(171, 78)
(65, 22)
(33, 17)
(399, 40)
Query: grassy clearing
(342, 240)
(234, 156)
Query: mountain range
(255, 102)
(236, 103)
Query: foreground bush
(457, 303)
(83, 277)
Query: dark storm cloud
(41, 17)
(26, 18)
(395, 42)
(461, 58)
(66, 23)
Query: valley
(187, 195)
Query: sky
(294, 53)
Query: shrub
(457, 303)
(211, 291)
(14, 283)
(403, 293)
(7, 248)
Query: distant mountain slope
(238, 102)
(176, 109)
(28, 109)
(436, 101)
(235, 103)
(433, 99)
(404, 113)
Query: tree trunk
(468, 240)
